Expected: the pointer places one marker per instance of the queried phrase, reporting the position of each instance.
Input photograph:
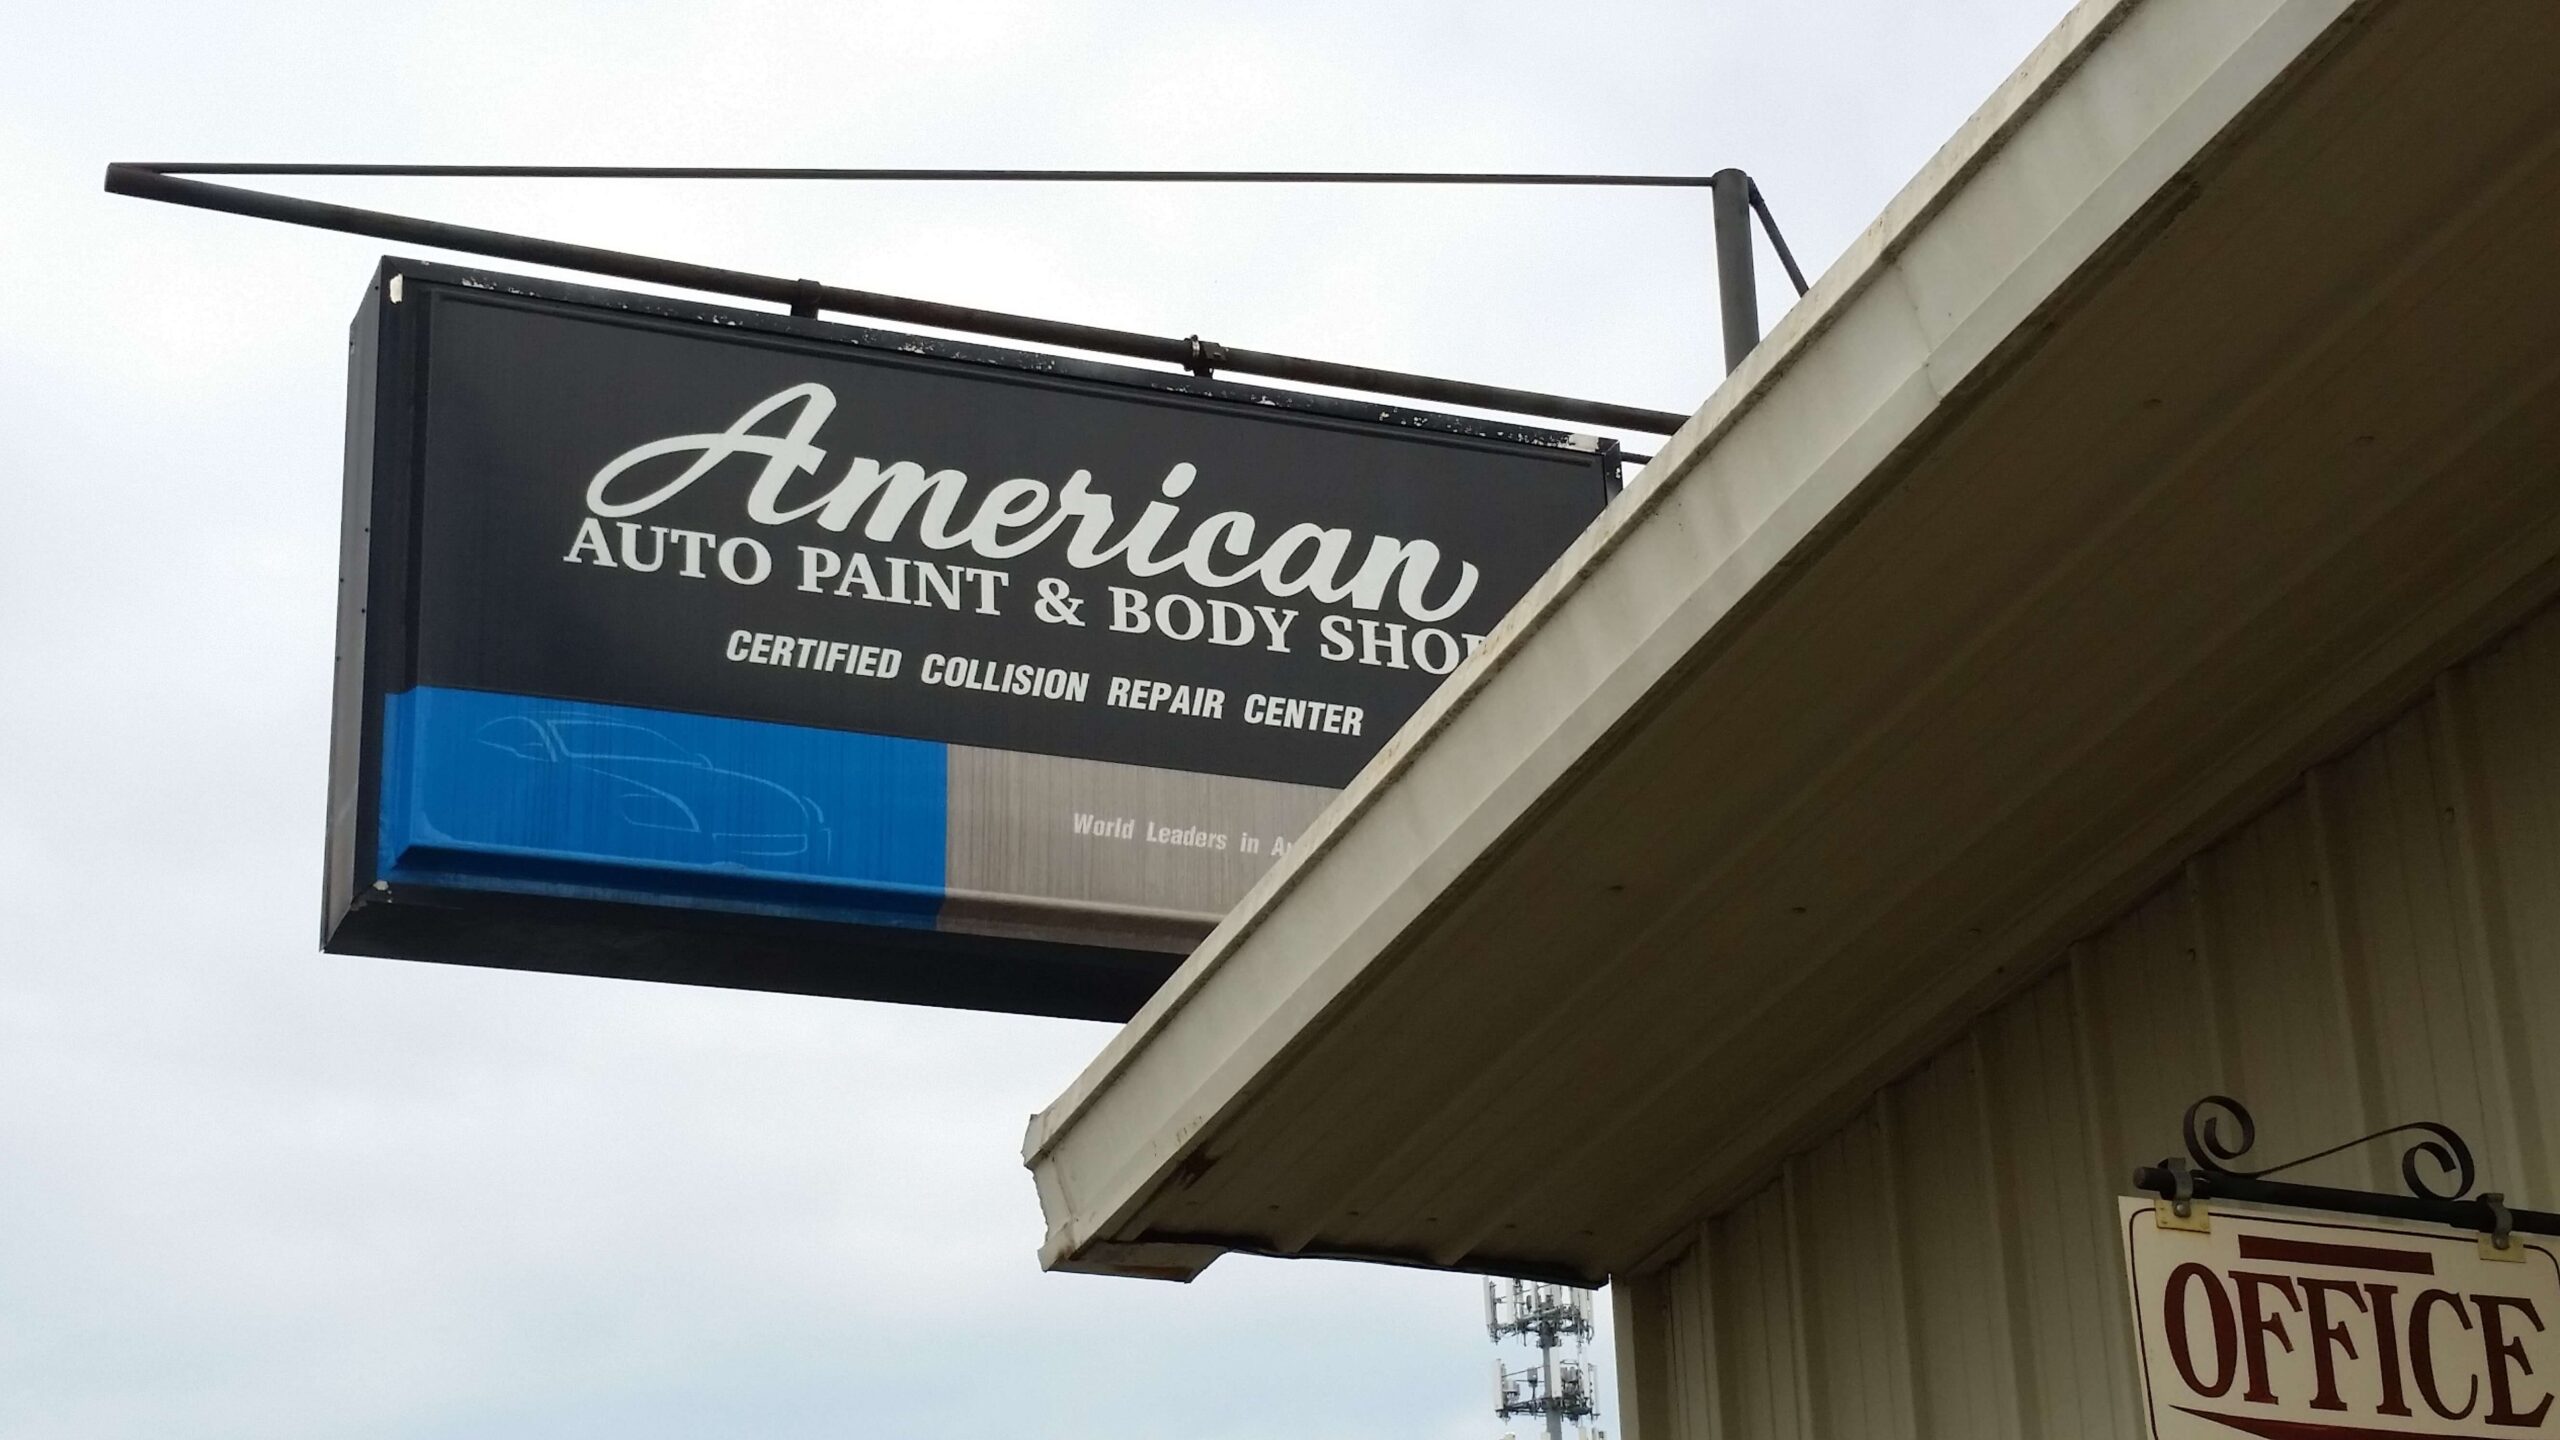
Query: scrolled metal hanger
(2211, 1154)
(2437, 1166)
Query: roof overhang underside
(2198, 402)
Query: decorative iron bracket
(2205, 1172)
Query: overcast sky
(248, 1190)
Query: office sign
(730, 647)
(2305, 1326)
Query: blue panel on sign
(561, 797)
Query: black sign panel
(662, 617)
(618, 497)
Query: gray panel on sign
(1149, 858)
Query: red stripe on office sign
(2352, 1257)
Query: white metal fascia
(2085, 137)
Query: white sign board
(2296, 1325)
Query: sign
(2303, 1326)
(713, 645)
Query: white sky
(248, 1190)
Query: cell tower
(1558, 1388)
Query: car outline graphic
(661, 786)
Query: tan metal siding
(2380, 945)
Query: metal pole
(1777, 242)
(1738, 293)
(809, 297)
(1555, 1401)
(776, 172)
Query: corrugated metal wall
(2382, 945)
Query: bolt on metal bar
(165, 182)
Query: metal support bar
(1777, 242)
(2206, 1173)
(1736, 289)
(2476, 1213)
(149, 183)
(769, 172)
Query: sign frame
(2287, 1358)
(377, 657)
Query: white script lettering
(1006, 520)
